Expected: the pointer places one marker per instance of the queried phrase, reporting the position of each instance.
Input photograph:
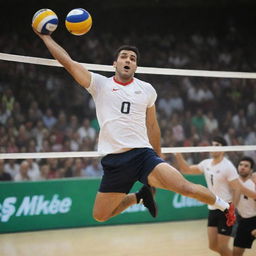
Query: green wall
(66, 203)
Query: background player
(246, 208)
(222, 178)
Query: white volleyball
(45, 21)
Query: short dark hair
(220, 140)
(248, 159)
(128, 48)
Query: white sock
(221, 204)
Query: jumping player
(129, 136)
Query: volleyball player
(129, 136)
(222, 179)
(246, 208)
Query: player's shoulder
(142, 82)
(98, 76)
(145, 86)
(250, 182)
(227, 161)
(206, 161)
(97, 80)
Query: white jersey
(247, 206)
(218, 177)
(121, 112)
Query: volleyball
(45, 21)
(78, 21)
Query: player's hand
(39, 34)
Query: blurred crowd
(43, 110)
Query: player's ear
(114, 64)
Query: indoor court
(199, 58)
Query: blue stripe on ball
(44, 30)
(54, 21)
(78, 18)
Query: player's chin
(127, 75)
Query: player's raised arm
(76, 70)
(45, 21)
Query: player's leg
(243, 238)
(121, 171)
(167, 177)
(212, 238)
(217, 242)
(223, 245)
(113, 197)
(237, 251)
(107, 205)
(219, 233)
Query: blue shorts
(122, 170)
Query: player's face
(216, 154)
(126, 64)
(244, 168)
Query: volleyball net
(167, 72)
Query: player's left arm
(153, 130)
(254, 177)
(236, 196)
(236, 184)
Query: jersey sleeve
(152, 96)
(97, 81)
(231, 172)
(201, 165)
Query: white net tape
(143, 70)
(71, 154)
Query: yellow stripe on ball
(41, 16)
(80, 32)
(78, 21)
(79, 27)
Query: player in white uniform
(246, 208)
(222, 179)
(129, 136)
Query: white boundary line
(142, 70)
(165, 150)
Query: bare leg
(219, 243)
(167, 177)
(108, 205)
(213, 238)
(237, 251)
(223, 245)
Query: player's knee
(100, 217)
(213, 247)
(188, 190)
(223, 249)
